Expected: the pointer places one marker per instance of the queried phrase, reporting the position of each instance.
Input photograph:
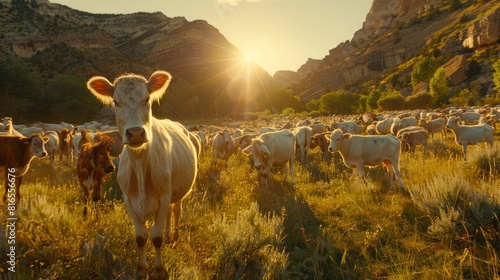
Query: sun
(247, 57)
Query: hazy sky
(279, 34)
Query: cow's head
(336, 140)
(226, 135)
(7, 123)
(37, 144)
(132, 96)
(64, 136)
(452, 122)
(102, 161)
(259, 152)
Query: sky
(276, 34)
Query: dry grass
(328, 226)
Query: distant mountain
(465, 34)
(209, 75)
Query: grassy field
(330, 225)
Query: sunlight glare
(247, 56)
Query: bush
(391, 103)
(251, 246)
(485, 162)
(419, 101)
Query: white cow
(414, 138)
(384, 126)
(158, 164)
(435, 125)
(347, 127)
(469, 134)
(51, 145)
(222, 147)
(369, 150)
(273, 149)
(303, 137)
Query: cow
(158, 164)
(413, 138)
(116, 141)
(370, 150)
(303, 136)
(273, 149)
(64, 144)
(400, 123)
(9, 127)
(384, 126)
(435, 125)
(52, 145)
(321, 140)
(469, 134)
(94, 165)
(16, 154)
(222, 147)
(28, 131)
(370, 129)
(347, 127)
(244, 140)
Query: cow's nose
(44, 154)
(330, 149)
(136, 135)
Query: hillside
(385, 49)
(52, 40)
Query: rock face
(394, 32)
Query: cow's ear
(247, 151)
(101, 88)
(46, 139)
(347, 136)
(25, 140)
(157, 84)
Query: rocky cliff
(395, 33)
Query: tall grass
(330, 225)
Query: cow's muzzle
(136, 136)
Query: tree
(419, 101)
(339, 102)
(424, 69)
(465, 98)
(391, 102)
(373, 97)
(313, 105)
(440, 88)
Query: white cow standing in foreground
(273, 149)
(372, 150)
(470, 134)
(158, 164)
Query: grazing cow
(51, 145)
(467, 117)
(64, 144)
(158, 164)
(303, 136)
(222, 147)
(16, 154)
(469, 134)
(244, 140)
(322, 141)
(435, 125)
(400, 123)
(414, 138)
(369, 150)
(347, 127)
(384, 126)
(93, 167)
(273, 149)
(370, 129)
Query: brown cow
(93, 167)
(64, 144)
(16, 154)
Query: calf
(223, 147)
(415, 138)
(372, 150)
(435, 125)
(93, 167)
(64, 144)
(16, 154)
(470, 134)
(52, 145)
(303, 138)
(322, 141)
(273, 149)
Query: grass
(330, 225)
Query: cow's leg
(175, 210)
(292, 177)
(157, 232)
(361, 172)
(464, 151)
(141, 237)
(86, 195)
(395, 168)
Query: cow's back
(280, 144)
(371, 150)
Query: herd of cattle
(158, 159)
